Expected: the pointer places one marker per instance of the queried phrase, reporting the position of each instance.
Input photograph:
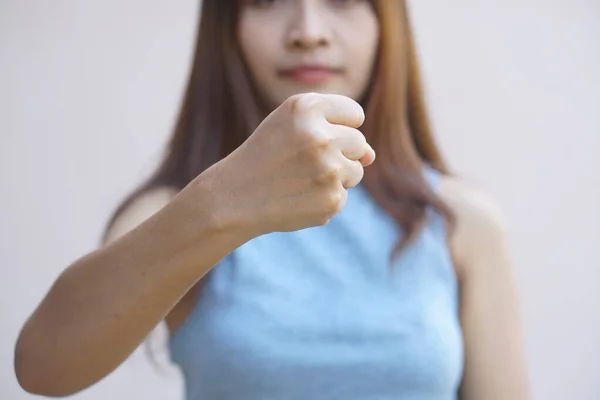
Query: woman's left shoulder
(479, 229)
(496, 365)
(470, 204)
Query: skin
(104, 304)
(275, 36)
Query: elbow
(38, 387)
(35, 373)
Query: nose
(308, 28)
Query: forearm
(105, 304)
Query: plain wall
(89, 92)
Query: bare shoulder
(472, 205)
(496, 365)
(140, 209)
(480, 227)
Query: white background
(88, 95)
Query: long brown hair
(221, 109)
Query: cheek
(363, 51)
(256, 48)
(248, 44)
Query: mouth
(310, 74)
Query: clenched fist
(293, 171)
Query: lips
(310, 74)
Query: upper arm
(495, 366)
(140, 209)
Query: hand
(293, 171)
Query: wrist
(208, 209)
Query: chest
(324, 310)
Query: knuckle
(328, 175)
(319, 148)
(315, 136)
(354, 174)
(357, 137)
(323, 221)
(360, 114)
(314, 145)
(354, 110)
(355, 182)
(360, 171)
(360, 137)
(301, 104)
(334, 204)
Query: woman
(322, 284)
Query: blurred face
(299, 46)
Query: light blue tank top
(320, 314)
